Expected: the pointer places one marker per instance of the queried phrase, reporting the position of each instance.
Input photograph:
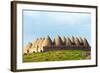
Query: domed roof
(58, 41)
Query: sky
(42, 23)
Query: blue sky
(42, 23)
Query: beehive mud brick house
(65, 43)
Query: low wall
(66, 48)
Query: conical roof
(36, 42)
(27, 47)
(41, 42)
(68, 41)
(77, 42)
(81, 41)
(64, 40)
(47, 41)
(86, 44)
(73, 40)
(58, 41)
(33, 43)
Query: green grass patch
(58, 55)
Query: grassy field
(59, 55)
